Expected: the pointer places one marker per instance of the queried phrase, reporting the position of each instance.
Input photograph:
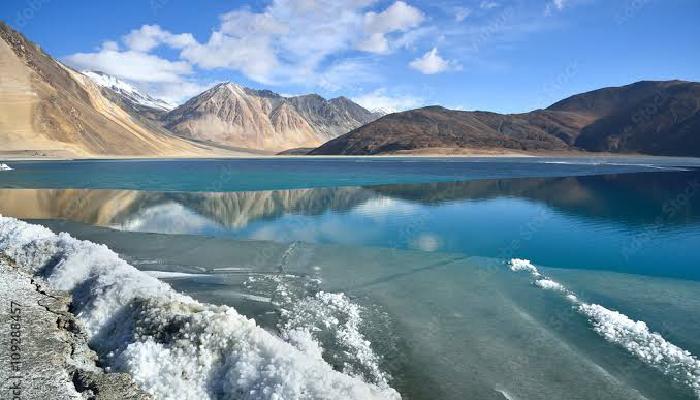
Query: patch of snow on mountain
(128, 91)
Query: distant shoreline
(446, 153)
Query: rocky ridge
(53, 360)
(231, 114)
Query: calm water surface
(420, 245)
(290, 173)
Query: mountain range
(261, 119)
(649, 117)
(50, 109)
(232, 115)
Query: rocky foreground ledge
(44, 352)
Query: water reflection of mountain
(233, 209)
(626, 198)
(98, 207)
(237, 209)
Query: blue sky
(503, 56)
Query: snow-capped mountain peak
(129, 92)
(382, 111)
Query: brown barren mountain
(231, 114)
(435, 127)
(49, 109)
(661, 118)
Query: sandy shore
(63, 156)
(45, 354)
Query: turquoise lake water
(293, 173)
(420, 244)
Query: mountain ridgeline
(659, 118)
(234, 115)
(50, 109)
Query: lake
(420, 250)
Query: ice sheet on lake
(615, 327)
(174, 346)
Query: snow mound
(647, 346)
(173, 346)
(549, 284)
(521, 264)
(322, 324)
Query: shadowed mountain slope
(661, 118)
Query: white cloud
(399, 17)
(301, 42)
(160, 77)
(176, 93)
(132, 65)
(379, 100)
(487, 5)
(253, 56)
(555, 5)
(374, 43)
(430, 63)
(408, 40)
(110, 45)
(559, 4)
(168, 80)
(148, 37)
(461, 13)
(290, 41)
